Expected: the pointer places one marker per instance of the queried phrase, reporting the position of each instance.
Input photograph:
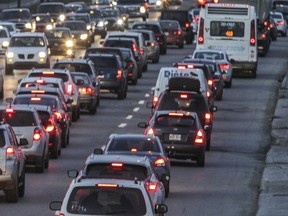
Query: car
(4, 40)
(141, 145)
(183, 95)
(183, 17)
(156, 28)
(112, 74)
(157, 5)
(126, 43)
(11, 27)
(214, 69)
(100, 4)
(113, 19)
(71, 88)
(27, 50)
(151, 43)
(273, 29)
(57, 10)
(12, 163)
(194, 13)
(222, 58)
(180, 132)
(89, 93)
(107, 197)
(43, 22)
(51, 126)
(20, 16)
(59, 109)
(173, 32)
(142, 49)
(126, 55)
(135, 9)
(79, 31)
(26, 122)
(61, 42)
(1, 81)
(125, 167)
(281, 23)
(75, 6)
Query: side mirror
(161, 209)
(207, 127)
(55, 205)
(72, 173)
(149, 105)
(98, 151)
(9, 100)
(213, 109)
(23, 142)
(142, 125)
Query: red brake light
(202, 2)
(134, 47)
(183, 96)
(152, 44)
(280, 22)
(224, 66)
(190, 66)
(200, 137)
(58, 115)
(49, 128)
(117, 164)
(40, 81)
(141, 51)
(9, 110)
(133, 150)
(210, 82)
(151, 186)
(208, 118)
(10, 151)
(263, 36)
(252, 34)
(150, 131)
(107, 185)
(179, 32)
(37, 134)
(86, 91)
(159, 162)
(119, 74)
(265, 23)
(181, 67)
(201, 32)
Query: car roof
(36, 70)
(146, 23)
(82, 61)
(28, 34)
(127, 33)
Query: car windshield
(3, 34)
(74, 67)
(62, 76)
(134, 145)
(18, 118)
(116, 171)
(15, 15)
(52, 9)
(2, 138)
(209, 55)
(37, 101)
(27, 42)
(131, 1)
(57, 34)
(74, 26)
(153, 28)
(176, 121)
(97, 200)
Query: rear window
(62, 76)
(19, 118)
(52, 9)
(175, 121)
(102, 62)
(107, 170)
(227, 29)
(34, 84)
(134, 144)
(106, 201)
(41, 101)
(2, 138)
(169, 25)
(209, 55)
(81, 77)
(15, 15)
(74, 67)
(118, 43)
(153, 28)
(277, 16)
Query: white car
(220, 57)
(27, 50)
(281, 23)
(107, 197)
(194, 13)
(4, 40)
(11, 27)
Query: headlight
(69, 43)
(28, 26)
(83, 36)
(142, 9)
(10, 54)
(5, 44)
(100, 24)
(62, 17)
(42, 54)
(114, 3)
(88, 27)
(158, 3)
(124, 18)
(120, 22)
(49, 27)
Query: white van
(167, 72)
(231, 28)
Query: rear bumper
(183, 150)
(244, 66)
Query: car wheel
(134, 81)
(284, 33)
(189, 39)
(228, 84)
(163, 51)
(54, 154)
(181, 45)
(201, 159)
(93, 110)
(9, 70)
(46, 162)
(121, 93)
(12, 195)
(59, 151)
(41, 168)
(156, 59)
(145, 67)
(219, 96)
(126, 89)
(139, 73)
(208, 144)
(167, 188)
(64, 139)
(21, 189)
(74, 115)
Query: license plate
(175, 137)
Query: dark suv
(134, 8)
(180, 96)
(111, 73)
(183, 17)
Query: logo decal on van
(181, 74)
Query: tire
(156, 60)
(284, 34)
(93, 110)
(134, 81)
(201, 159)
(219, 96)
(189, 39)
(181, 45)
(21, 189)
(163, 51)
(121, 94)
(167, 188)
(208, 144)
(63, 140)
(13, 194)
(139, 73)
(74, 115)
(228, 84)
(8, 70)
(145, 67)
(41, 168)
(54, 154)
(46, 162)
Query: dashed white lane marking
(122, 125)
(136, 109)
(129, 117)
(147, 95)
(141, 102)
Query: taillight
(119, 74)
(190, 66)
(179, 32)
(40, 81)
(86, 91)
(265, 23)
(69, 89)
(200, 137)
(208, 118)
(252, 34)
(155, 100)
(49, 128)
(187, 25)
(37, 134)
(181, 67)
(201, 32)
(208, 94)
(10, 151)
(134, 48)
(58, 115)
(117, 166)
(151, 186)
(210, 83)
(224, 66)
(280, 22)
(183, 96)
(150, 131)
(160, 162)
(141, 51)
(263, 35)
(152, 44)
